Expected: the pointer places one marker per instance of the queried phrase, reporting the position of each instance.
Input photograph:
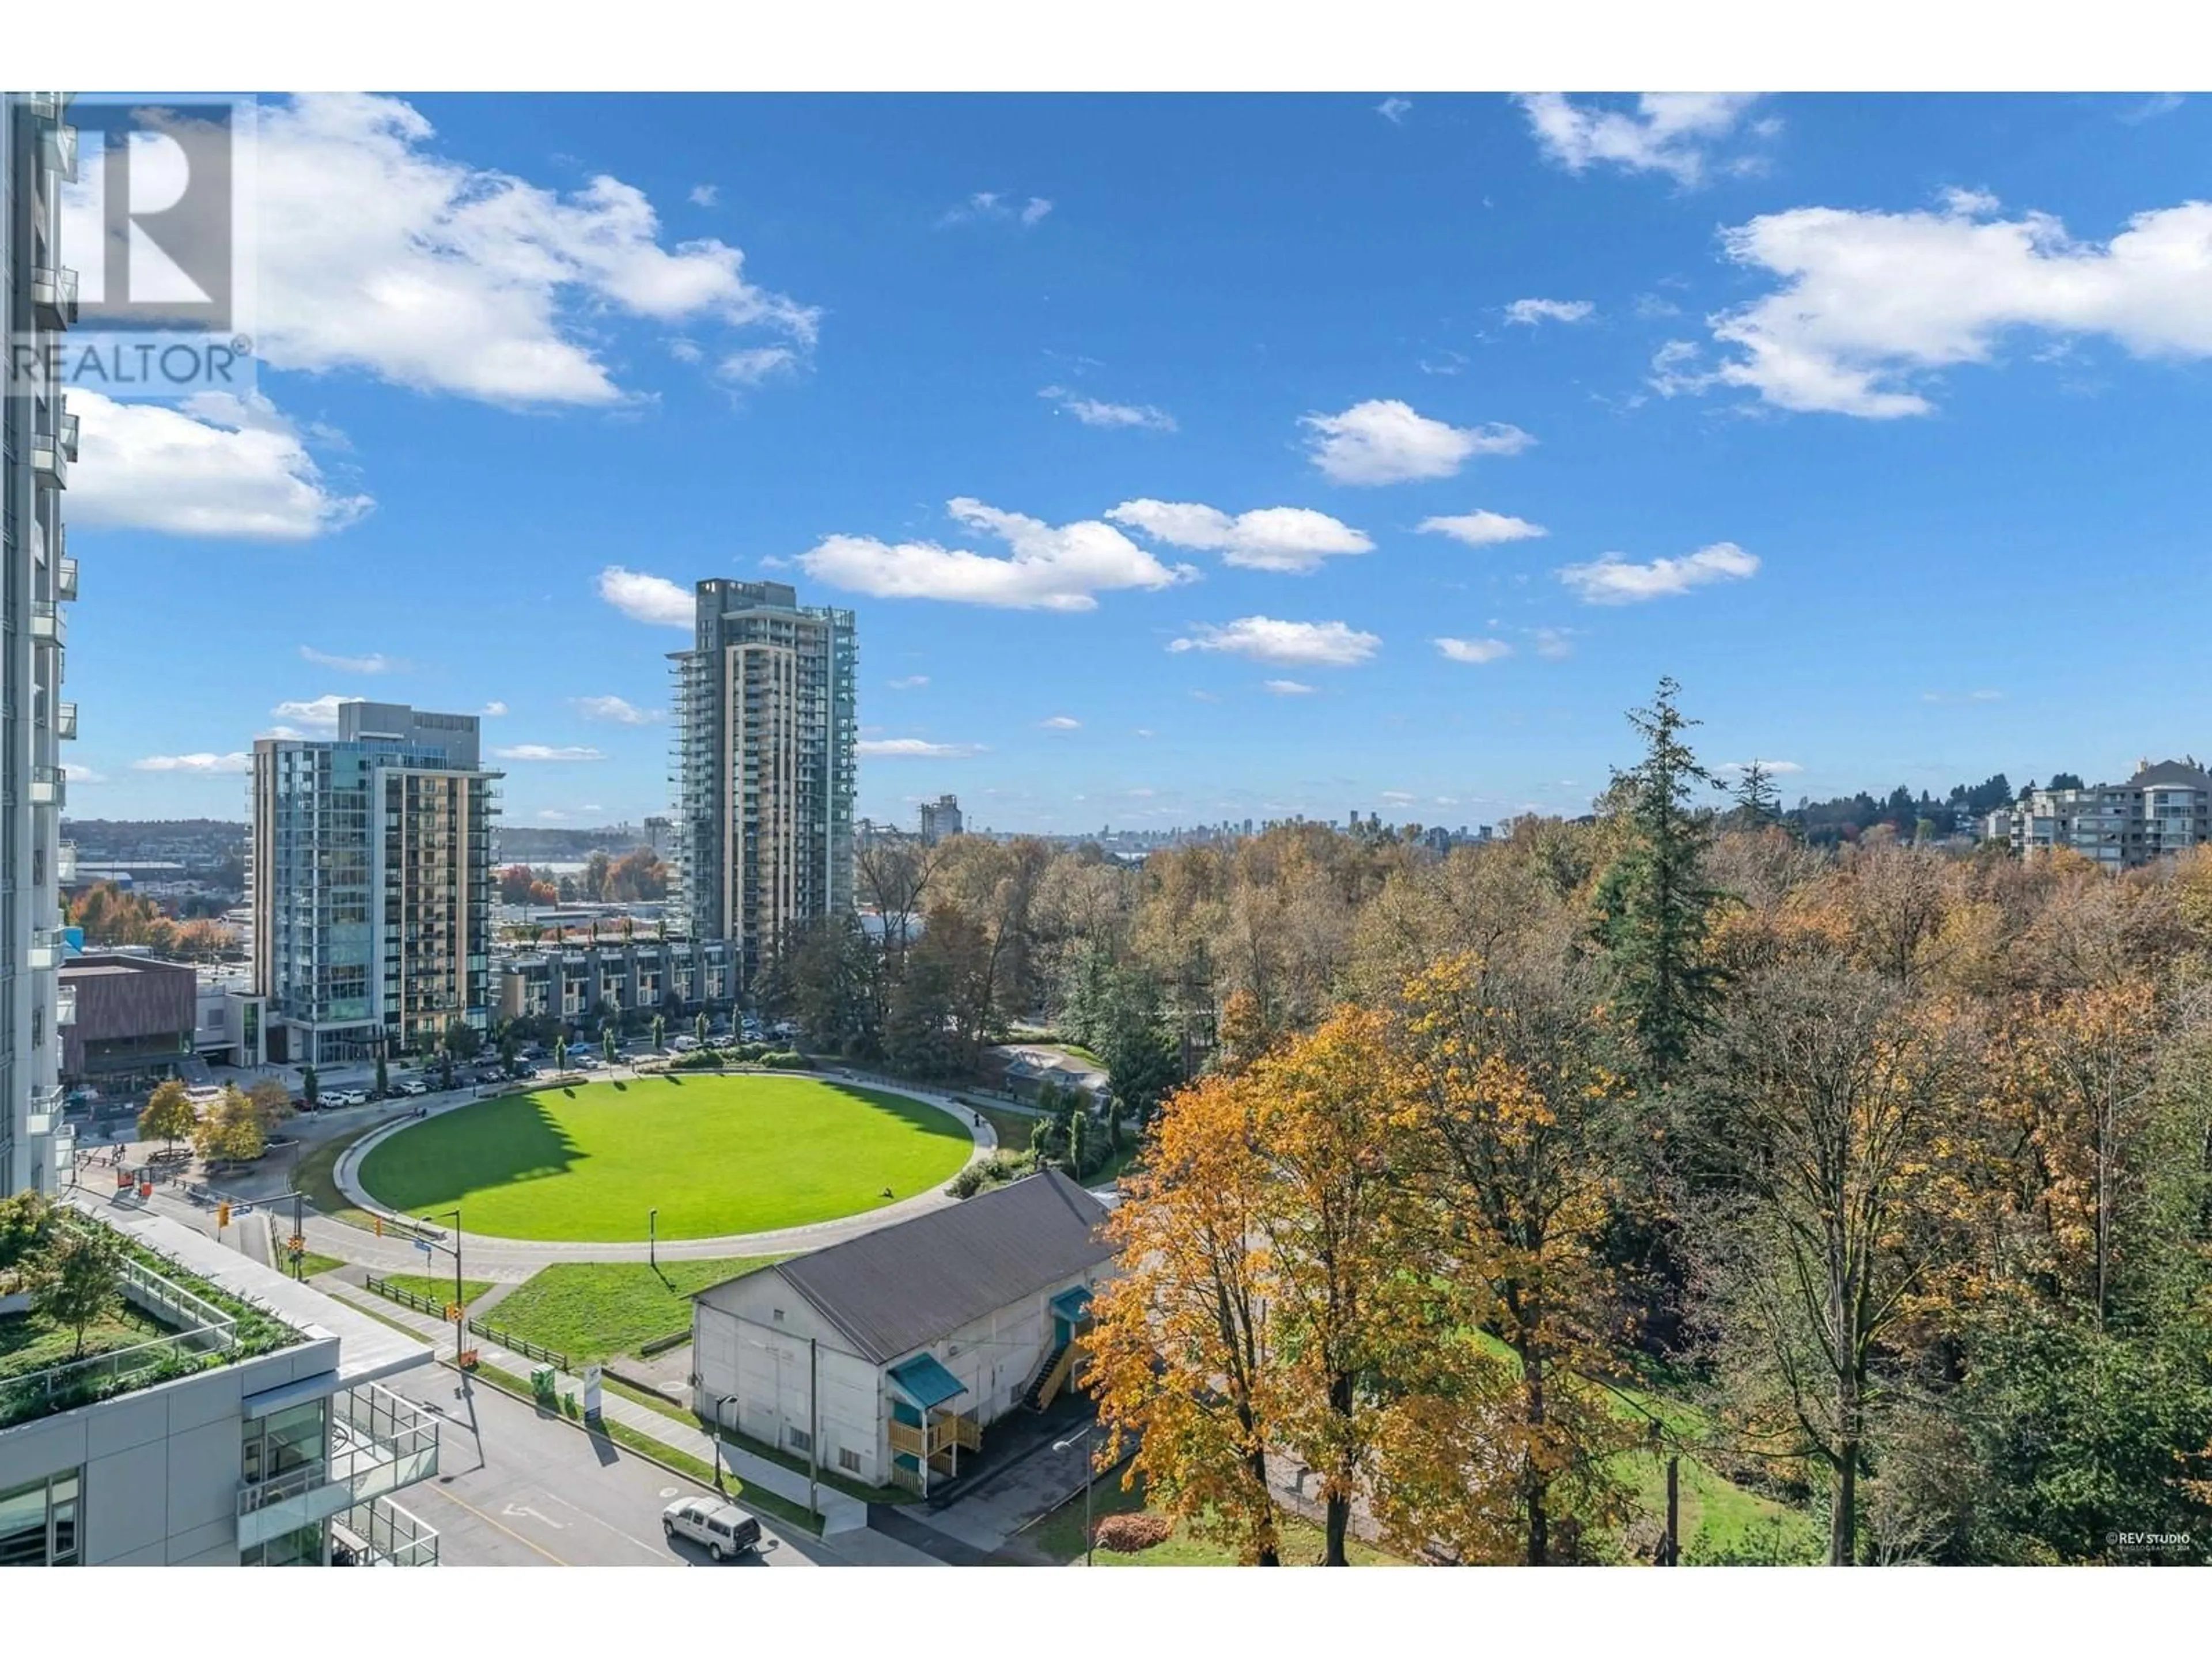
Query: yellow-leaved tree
(1182, 1343)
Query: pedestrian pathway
(840, 1513)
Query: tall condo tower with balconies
(763, 765)
(370, 878)
(38, 299)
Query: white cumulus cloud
(1050, 567)
(216, 464)
(1869, 303)
(319, 712)
(1287, 688)
(1288, 644)
(1476, 651)
(380, 254)
(1061, 723)
(1676, 133)
(991, 206)
(616, 711)
(1612, 579)
(374, 663)
(647, 598)
(1383, 441)
(1093, 412)
(1529, 313)
(1288, 538)
(1482, 529)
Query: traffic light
(223, 1215)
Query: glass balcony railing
(49, 461)
(49, 787)
(46, 949)
(57, 146)
(378, 1443)
(53, 296)
(65, 720)
(49, 622)
(382, 1534)
(46, 1110)
(65, 431)
(65, 1005)
(65, 578)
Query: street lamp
(1083, 1440)
(721, 1404)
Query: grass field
(714, 1154)
(1059, 1537)
(314, 1176)
(591, 1310)
(437, 1287)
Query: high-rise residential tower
(940, 818)
(371, 883)
(38, 299)
(763, 764)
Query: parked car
(336, 1097)
(413, 1086)
(523, 1068)
(586, 1062)
(723, 1529)
(684, 1045)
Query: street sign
(423, 1245)
(590, 1390)
(453, 1313)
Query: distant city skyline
(1191, 458)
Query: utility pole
(813, 1420)
(1672, 1555)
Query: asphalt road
(516, 1489)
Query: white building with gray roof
(884, 1358)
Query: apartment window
(38, 1523)
(800, 1440)
(779, 1315)
(849, 1460)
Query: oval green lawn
(715, 1155)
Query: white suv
(723, 1529)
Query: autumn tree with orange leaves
(1510, 1112)
(1181, 1351)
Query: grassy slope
(591, 1310)
(1059, 1537)
(714, 1154)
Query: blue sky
(1876, 421)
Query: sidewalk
(840, 1513)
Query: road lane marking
(489, 1522)
(557, 1498)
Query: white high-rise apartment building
(38, 298)
(763, 765)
